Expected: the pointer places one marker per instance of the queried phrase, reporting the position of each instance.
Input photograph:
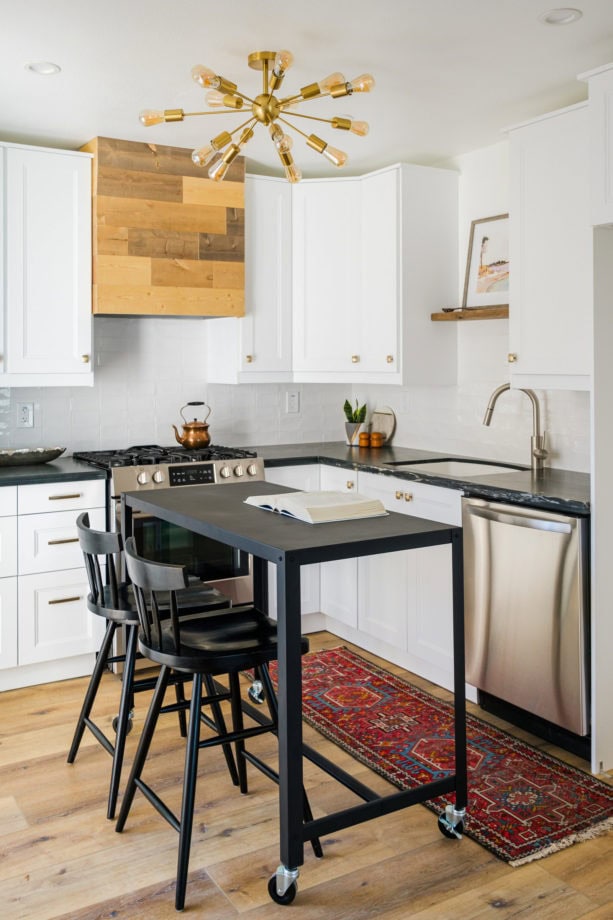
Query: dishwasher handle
(519, 520)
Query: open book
(319, 507)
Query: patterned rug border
(590, 831)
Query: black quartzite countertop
(555, 490)
(61, 470)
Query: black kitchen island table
(219, 512)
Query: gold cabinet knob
(408, 496)
(390, 359)
(399, 495)
(355, 359)
(512, 357)
(350, 484)
(248, 359)
(85, 359)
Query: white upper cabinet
(373, 258)
(341, 278)
(551, 253)
(601, 143)
(46, 260)
(258, 347)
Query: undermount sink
(460, 469)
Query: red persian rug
(522, 803)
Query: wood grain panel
(207, 191)
(161, 215)
(128, 183)
(167, 240)
(135, 300)
(162, 244)
(120, 270)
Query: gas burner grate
(149, 454)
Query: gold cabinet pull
(355, 359)
(65, 600)
(67, 540)
(61, 498)
(248, 359)
(85, 359)
(399, 495)
(408, 496)
(350, 484)
(512, 357)
(390, 359)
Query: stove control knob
(238, 470)
(142, 479)
(158, 476)
(225, 472)
(252, 469)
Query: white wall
(147, 368)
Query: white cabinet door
(258, 346)
(54, 621)
(306, 478)
(8, 622)
(326, 283)
(406, 599)
(380, 313)
(551, 253)
(8, 546)
(339, 579)
(50, 542)
(600, 113)
(47, 223)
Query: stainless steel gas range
(150, 466)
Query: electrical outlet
(25, 415)
(292, 401)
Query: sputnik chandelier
(224, 97)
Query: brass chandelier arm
(293, 127)
(328, 121)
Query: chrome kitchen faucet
(538, 453)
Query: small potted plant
(355, 421)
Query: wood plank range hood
(167, 240)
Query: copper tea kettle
(195, 434)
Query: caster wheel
(286, 898)
(128, 726)
(446, 829)
(256, 692)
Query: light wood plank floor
(60, 859)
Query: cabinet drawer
(8, 500)
(8, 546)
(416, 498)
(61, 496)
(8, 622)
(54, 621)
(49, 542)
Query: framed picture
(487, 268)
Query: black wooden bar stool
(204, 647)
(113, 599)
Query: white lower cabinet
(339, 583)
(306, 478)
(46, 630)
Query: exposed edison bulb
(362, 84)
(276, 132)
(332, 80)
(283, 142)
(283, 60)
(292, 173)
(150, 117)
(214, 98)
(205, 77)
(361, 128)
(204, 155)
(336, 157)
(218, 170)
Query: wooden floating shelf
(474, 313)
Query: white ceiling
(450, 74)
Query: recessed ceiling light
(44, 68)
(562, 16)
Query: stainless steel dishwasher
(527, 606)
